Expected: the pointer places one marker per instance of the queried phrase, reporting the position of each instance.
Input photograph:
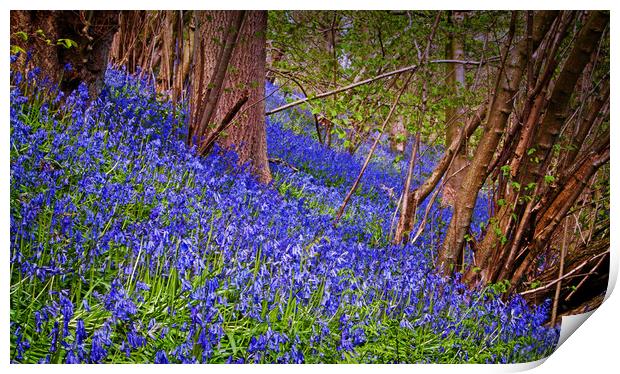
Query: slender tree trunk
(558, 209)
(398, 135)
(556, 113)
(501, 108)
(454, 115)
(510, 225)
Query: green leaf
(22, 35)
(505, 170)
(16, 49)
(67, 43)
(549, 179)
(503, 240)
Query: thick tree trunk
(91, 30)
(228, 84)
(44, 56)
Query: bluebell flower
(161, 358)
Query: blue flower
(161, 358)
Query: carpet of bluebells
(126, 247)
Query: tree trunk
(556, 113)
(398, 135)
(559, 207)
(510, 226)
(228, 84)
(454, 114)
(91, 30)
(501, 107)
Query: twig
(280, 161)
(558, 287)
(341, 89)
(385, 122)
(372, 149)
(585, 278)
(292, 78)
(563, 277)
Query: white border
(591, 349)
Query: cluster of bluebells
(128, 247)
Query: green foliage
(505, 170)
(21, 34)
(500, 287)
(362, 45)
(67, 43)
(15, 49)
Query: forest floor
(126, 247)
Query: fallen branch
(585, 278)
(206, 145)
(280, 161)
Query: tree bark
(235, 116)
(454, 114)
(546, 134)
(558, 209)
